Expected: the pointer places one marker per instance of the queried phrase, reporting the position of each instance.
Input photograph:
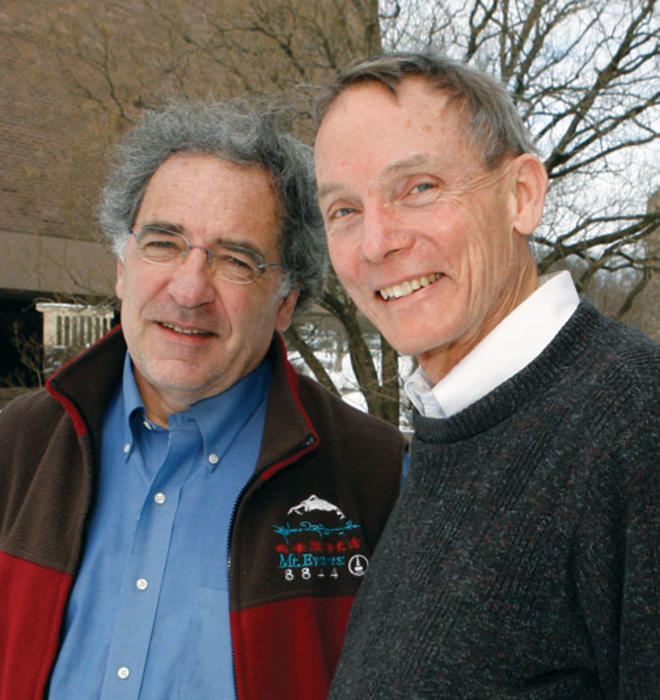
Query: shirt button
(213, 458)
(147, 425)
(142, 584)
(123, 672)
(160, 498)
(127, 448)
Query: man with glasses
(182, 514)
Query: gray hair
(494, 125)
(239, 133)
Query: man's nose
(192, 282)
(384, 232)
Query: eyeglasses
(232, 263)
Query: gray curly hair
(237, 132)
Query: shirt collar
(219, 418)
(512, 345)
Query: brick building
(73, 75)
(49, 243)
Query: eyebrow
(162, 227)
(240, 248)
(329, 188)
(414, 160)
(235, 244)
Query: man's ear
(531, 183)
(285, 312)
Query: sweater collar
(565, 351)
(505, 351)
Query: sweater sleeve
(618, 560)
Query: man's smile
(184, 331)
(397, 291)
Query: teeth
(409, 286)
(184, 331)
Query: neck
(437, 363)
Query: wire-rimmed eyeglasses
(233, 263)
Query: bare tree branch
(582, 72)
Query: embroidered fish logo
(315, 503)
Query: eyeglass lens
(171, 249)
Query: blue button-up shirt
(149, 612)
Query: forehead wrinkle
(412, 161)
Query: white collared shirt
(507, 349)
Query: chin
(178, 381)
(403, 345)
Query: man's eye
(161, 244)
(422, 187)
(158, 244)
(341, 212)
(237, 262)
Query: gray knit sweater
(523, 557)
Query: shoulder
(32, 407)
(628, 342)
(616, 338)
(369, 444)
(614, 408)
(28, 421)
(620, 361)
(325, 407)
(30, 427)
